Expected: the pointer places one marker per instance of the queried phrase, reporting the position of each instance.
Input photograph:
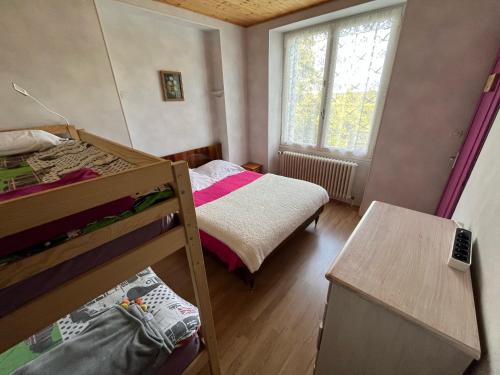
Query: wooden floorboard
(272, 329)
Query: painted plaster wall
(140, 44)
(55, 50)
(445, 51)
(479, 210)
(233, 59)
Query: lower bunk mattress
(155, 332)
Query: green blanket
(141, 204)
(15, 172)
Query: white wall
(140, 44)
(55, 50)
(479, 210)
(233, 54)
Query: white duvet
(256, 218)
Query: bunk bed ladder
(194, 254)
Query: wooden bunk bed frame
(150, 172)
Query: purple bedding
(181, 358)
(24, 291)
(23, 240)
(69, 178)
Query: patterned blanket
(49, 165)
(22, 172)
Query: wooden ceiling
(244, 12)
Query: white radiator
(336, 176)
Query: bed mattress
(249, 214)
(218, 190)
(20, 171)
(63, 164)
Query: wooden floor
(273, 328)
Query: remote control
(461, 252)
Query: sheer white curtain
(305, 62)
(335, 80)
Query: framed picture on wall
(171, 83)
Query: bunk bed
(246, 216)
(21, 319)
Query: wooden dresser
(394, 306)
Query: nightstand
(254, 167)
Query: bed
(245, 216)
(177, 318)
(50, 270)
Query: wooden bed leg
(194, 254)
(250, 280)
(246, 276)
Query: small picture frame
(171, 83)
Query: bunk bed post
(194, 253)
(73, 132)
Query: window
(335, 78)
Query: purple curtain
(478, 131)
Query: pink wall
(445, 51)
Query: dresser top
(398, 258)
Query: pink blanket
(69, 178)
(216, 191)
(224, 187)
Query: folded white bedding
(219, 169)
(199, 181)
(208, 174)
(256, 218)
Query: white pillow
(199, 181)
(219, 169)
(23, 141)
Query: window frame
(331, 55)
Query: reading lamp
(22, 91)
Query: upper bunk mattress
(69, 162)
(18, 172)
